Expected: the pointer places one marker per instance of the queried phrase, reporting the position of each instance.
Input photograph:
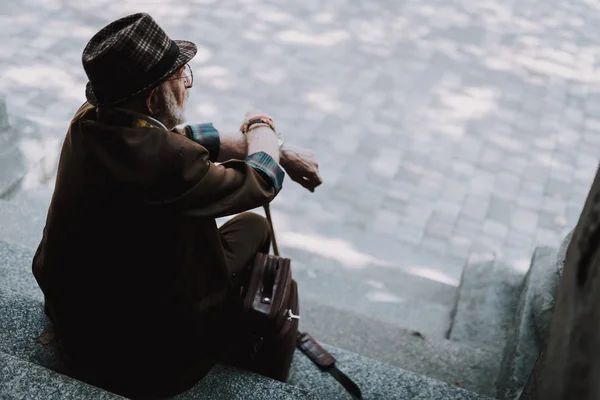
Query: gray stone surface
(441, 359)
(568, 367)
(376, 380)
(12, 164)
(523, 344)
(224, 382)
(22, 162)
(15, 270)
(22, 380)
(21, 223)
(562, 253)
(486, 303)
(22, 322)
(545, 289)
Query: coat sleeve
(200, 188)
(204, 134)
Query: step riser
(443, 360)
(429, 318)
(487, 302)
(523, 345)
(12, 169)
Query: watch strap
(260, 121)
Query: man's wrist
(283, 155)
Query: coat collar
(128, 118)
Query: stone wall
(570, 364)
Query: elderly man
(140, 284)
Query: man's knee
(258, 227)
(258, 223)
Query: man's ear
(150, 101)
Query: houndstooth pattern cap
(129, 56)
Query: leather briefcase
(269, 322)
(270, 316)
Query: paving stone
(529, 201)
(495, 228)
(409, 234)
(439, 227)
(524, 220)
(500, 209)
(467, 226)
(476, 207)
(435, 244)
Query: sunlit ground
(439, 125)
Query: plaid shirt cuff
(264, 163)
(207, 136)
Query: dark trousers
(243, 236)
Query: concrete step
(25, 380)
(21, 224)
(22, 321)
(12, 166)
(383, 294)
(15, 270)
(445, 360)
(23, 214)
(376, 380)
(486, 303)
(12, 163)
(28, 152)
(524, 345)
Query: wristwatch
(260, 121)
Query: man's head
(166, 102)
(132, 58)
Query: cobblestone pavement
(439, 124)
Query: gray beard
(169, 112)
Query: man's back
(122, 270)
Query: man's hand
(302, 166)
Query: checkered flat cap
(130, 56)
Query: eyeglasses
(187, 75)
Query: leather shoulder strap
(273, 240)
(326, 362)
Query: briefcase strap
(273, 240)
(326, 362)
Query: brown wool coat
(130, 252)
